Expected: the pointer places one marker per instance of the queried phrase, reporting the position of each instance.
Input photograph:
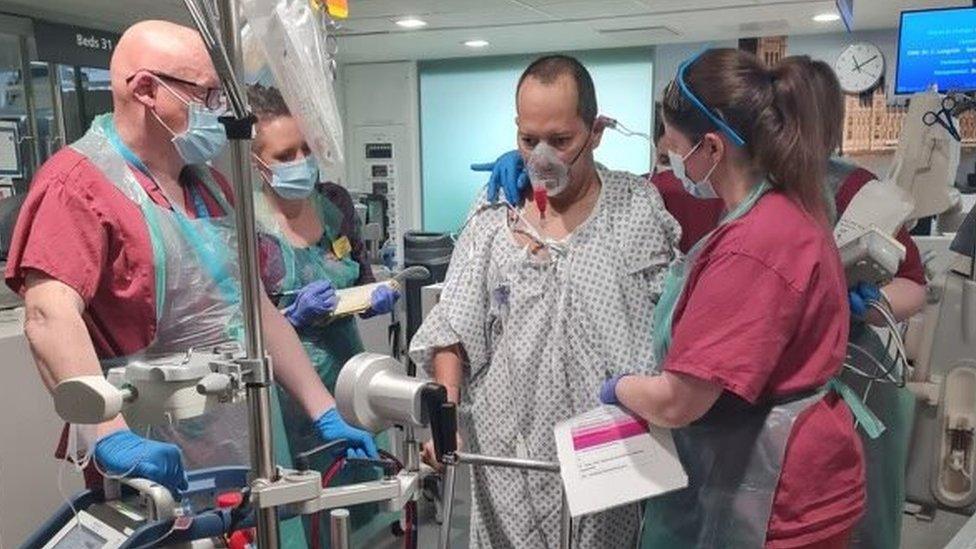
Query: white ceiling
(520, 26)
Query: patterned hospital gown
(539, 336)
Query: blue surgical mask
(204, 138)
(699, 189)
(294, 180)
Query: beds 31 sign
(70, 45)
(94, 42)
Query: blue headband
(715, 119)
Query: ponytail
(790, 139)
(828, 94)
(774, 111)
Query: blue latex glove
(382, 301)
(315, 300)
(331, 426)
(125, 453)
(508, 173)
(608, 391)
(860, 296)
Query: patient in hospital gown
(540, 327)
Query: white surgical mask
(293, 180)
(699, 189)
(204, 137)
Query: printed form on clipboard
(608, 458)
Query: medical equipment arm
(667, 400)
(58, 337)
(292, 367)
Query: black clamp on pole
(442, 416)
(303, 460)
(239, 129)
(444, 431)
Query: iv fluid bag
(287, 38)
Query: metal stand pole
(227, 55)
(565, 525)
(34, 151)
(339, 529)
(454, 460)
(260, 378)
(509, 463)
(411, 457)
(58, 135)
(447, 501)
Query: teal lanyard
(674, 284)
(203, 241)
(130, 157)
(873, 427)
(199, 205)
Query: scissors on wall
(944, 117)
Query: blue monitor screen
(937, 47)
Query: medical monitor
(937, 47)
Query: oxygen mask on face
(548, 174)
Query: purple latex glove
(608, 391)
(314, 301)
(382, 301)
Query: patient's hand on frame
(429, 457)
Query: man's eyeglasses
(213, 98)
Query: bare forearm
(906, 298)
(667, 400)
(60, 344)
(447, 367)
(293, 369)
(59, 339)
(448, 371)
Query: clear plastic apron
(198, 304)
(197, 296)
(733, 455)
(329, 343)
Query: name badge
(341, 247)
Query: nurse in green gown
(309, 247)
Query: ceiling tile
(519, 26)
(580, 10)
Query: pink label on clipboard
(610, 431)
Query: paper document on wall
(880, 204)
(10, 165)
(609, 458)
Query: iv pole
(226, 52)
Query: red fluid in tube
(541, 200)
